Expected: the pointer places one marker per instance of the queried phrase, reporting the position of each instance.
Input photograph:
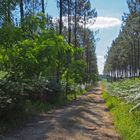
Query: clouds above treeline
(99, 23)
(104, 22)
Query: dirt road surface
(85, 119)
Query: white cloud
(103, 22)
(101, 61)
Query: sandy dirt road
(85, 119)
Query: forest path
(85, 119)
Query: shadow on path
(84, 119)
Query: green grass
(127, 124)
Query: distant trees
(123, 58)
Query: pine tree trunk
(8, 13)
(43, 6)
(33, 8)
(139, 56)
(69, 21)
(21, 11)
(75, 23)
(60, 17)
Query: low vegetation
(128, 90)
(122, 69)
(127, 122)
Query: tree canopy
(41, 58)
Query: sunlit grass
(126, 123)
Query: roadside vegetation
(43, 63)
(122, 69)
(121, 98)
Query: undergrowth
(33, 108)
(127, 123)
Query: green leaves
(44, 54)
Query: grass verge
(127, 123)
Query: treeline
(42, 58)
(123, 58)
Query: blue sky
(108, 22)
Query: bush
(11, 96)
(20, 100)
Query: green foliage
(37, 107)
(126, 123)
(32, 58)
(111, 101)
(11, 96)
(36, 67)
(76, 71)
(123, 101)
(9, 35)
(127, 90)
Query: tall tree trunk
(139, 56)
(130, 63)
(60, 32)
(69, 21)
(33, 6)
(43, 6)
(134, 56)
(136, 62)
(117, 74)
(84, 30)
(86, 46)
(60, 17)
(84, 39)
(69, 40)
(125, 71)
(132, 60)
(8, 13)
(21, 11)
(87, 58)
(75, 24)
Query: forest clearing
(69, 70)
